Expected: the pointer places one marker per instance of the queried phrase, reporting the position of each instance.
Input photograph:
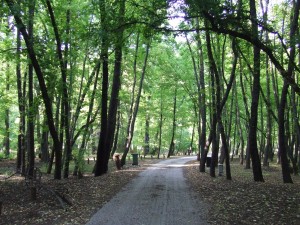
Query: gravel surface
(159, 195)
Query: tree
(281, 111)
(135, 105)
(252, 136)
(39, 73)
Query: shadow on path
(158, 196)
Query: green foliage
(169, 65)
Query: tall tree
(172, 142)
(31, 113)
(33, 57)
(21, 104)
(252, 136)
(281, 111)
(101, 167)
(131, 124)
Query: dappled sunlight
(160, 166)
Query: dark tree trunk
(21, 104)
(116, 85)
(57, 146)
(100, 163)
(172, 143)
(281, 111)
(115, 145)
(281, 136)
(160, 129)
(44, 151)
(226, 150)
(199, 78)
(68, 150)
(7, 120)
(113, 106)
(65, 104)
(100, 166)
(147, 136)
(252, 136)
(31, 113)
(202, 100)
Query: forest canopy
(92, 78)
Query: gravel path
(158, 196)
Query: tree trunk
(131, 125)
(160, 129)
(57, 146)
(21, 104)
(44, 150)
(281, 136)
(252, 136)
(115, 145)
(281, 111)
(7, 120)
(31, 113)
(147, 136)
(213, 73)
(172, 143)
(80, 159)
(114, 99)
(104, 153)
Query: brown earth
(240, 201)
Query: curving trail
(158, 196)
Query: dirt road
(159, 196)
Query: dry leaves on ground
(86, 195)
(243, 201)
(240, 201)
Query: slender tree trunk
(115, 145)
(68, 150)
(31, 114)
(281, 136)
(147, 135)
(65, 105)
(57, 146)
(45, 143)
(131, 125)
(252, 137)
(7, 118)
(172, 143)
(281, 111)
(160, 126)
(224, 99)
(21, 104)
(80, 159)
(214, 73)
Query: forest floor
(239, 201)
(243, 201)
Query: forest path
(158, 196)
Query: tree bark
(131, 125)
(281, 111)
(31, 113)
(7, 119)
(172, 143)
(21, 104)
(30, 50)
(100, 166)
(252, 136)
